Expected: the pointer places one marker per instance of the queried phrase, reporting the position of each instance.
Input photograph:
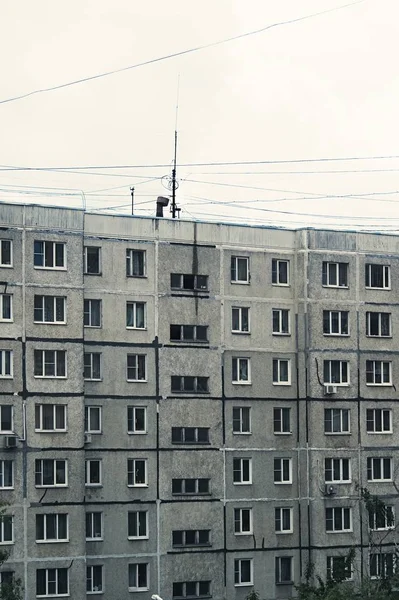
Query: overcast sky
(322, 87)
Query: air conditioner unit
(10, 441)
(330, 490)
(330, 389)
(87, 438)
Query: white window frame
(376, 368)
(281, 468)
(5, 522)
(372, 412)
(386, 527)
(337, 414)
(238, 521)
(130, 262)
(41, 473)
(278, 570)
(88, 311)
(386, 276)
(54, 244)
(133, 419)
(85, 260)
(137, 368)
(49, 540)
(238, 572)
(337, 464)
(241, 420)
(9, 408)
(381, 564)
(330, 567)
(197, 492)
(39, 409)
(330, 363)
(278, 417)
(137, 588)
(276, 275)
(241, 320)
(54, 362)
(4, 319)
(280, 314)
(43, 299)
(371, 461)
(88, 469)
(6, 364)
(234, 270)
(279, 513)
(137, 518)
(57, 594)
(238, 363)
(2, 263)
(134, 472)
(88, 419)
(92, 527)
(132, 305)
(344, 512)
(340, 331)
(379, 316)
(90, 577)
(278, 363)
(3, 472)
(239, 470)
(336, 266)
(90, 366)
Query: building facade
(193, 409)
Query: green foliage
(253, 595)
(14, 589)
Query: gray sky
(324, 87)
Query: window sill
(136, 328)
(139, 589)
(53, 596)
(336, 384)
(379, 480)
(281, 333)
(6, 489)
(282, 432)
(379, 432)
(183, 546)
(50, 268)
(237, 332)
(336, 287)
(6, 376)
(286, 383)
(136, 380)
(286, 285)
(137, 485)
(242, 482)
(379, 385)
(384, 337)
(50, 377)
(345, 335)
(242, 432)
(243, 533)
(282, 482)
(6, 320)
(136, 276)
(182, 494)
(192, 290)
(189, 341)
(98, 539)
(95, 380)
(51, 487)
(383, 289)
(94, 432)
(95, 593)
(337, 433)
(134, 539)
(51, 431)
(338, 482)
(341, 531)
(137, 432)
(284, 532)
(50, 322)
(191, 443)
(93, 275)
(246, 584)
(240, 282)
(52, 541)
(6, 266)
(241, 382)
(11, 543)
(92, 326)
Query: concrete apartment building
(191, 409)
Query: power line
(176, 54)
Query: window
(339, 568)
(281, 321)
(197, 283)
(94, 579)
(242, 471)
(6, 529)
(5, 307)
(6, 364)
(239, 269)
(243, 521)
(49, 309)
(52, 582)
(137, 472)
(6, 578)
(382, 518)
(335, 274)
(5, 253)
(135, 263)
(282, 420)
(52, 527)
(187, 487)
(379, 469)
(280, 272)
(283, 520)
(49, 255)
(378, 324)
(338, 518)
(243, 571)
(135, 315)
(382, 565)
(190, 435)
(336, 420)
(335, 322)
(92, 313)
(281, 371)
(50, 417)
(378, 372)
(50, 473)
(94, 526)
(191, 590)
(337, 470)
(92, 419)
(136, 367)
(138, 577)
(336, 372)
(282, 470)
(6, 418)
(283, 566)
(378, 276)
(50, 363)
(240, 319)
(6, 474)
(189, 333)
(379, 420)
(241, 419)
(191, 537)
(92, 260)
(92, 366)
(136, 419)
(241, 370)
(137, 525)
(188, 384)
(93, 473)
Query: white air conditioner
(87, 438)
(10, 441)
(330, 490)
(330, 389)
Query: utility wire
(181, 53)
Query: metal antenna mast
(174, 209)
